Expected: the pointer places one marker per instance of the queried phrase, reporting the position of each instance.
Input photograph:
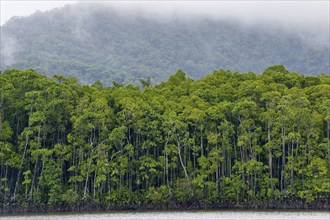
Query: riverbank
(320, 205)
(177, 215)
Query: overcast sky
(299, 12)
(10, 8)
(310, 16)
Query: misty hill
(97, 42)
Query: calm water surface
(182, 215)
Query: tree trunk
(270, 161)
(87, 175)
(33, 178)
(328, 137)
(187, 177)
(283, 159)
(21, 165)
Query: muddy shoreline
(320, 205)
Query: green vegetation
(96, 42)
(229, 138)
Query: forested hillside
(98, 42)
(228, 139)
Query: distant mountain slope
(94, 42)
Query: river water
(180, 215)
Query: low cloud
(309, 19)
(9, 47)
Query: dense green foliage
(96, 42)
(227, 138)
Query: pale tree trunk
(33, 178)
(166, 170)
(328, 137)
(27, 138)
(186, 175)
(87, 176)
(270, 161)
(283, 159)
